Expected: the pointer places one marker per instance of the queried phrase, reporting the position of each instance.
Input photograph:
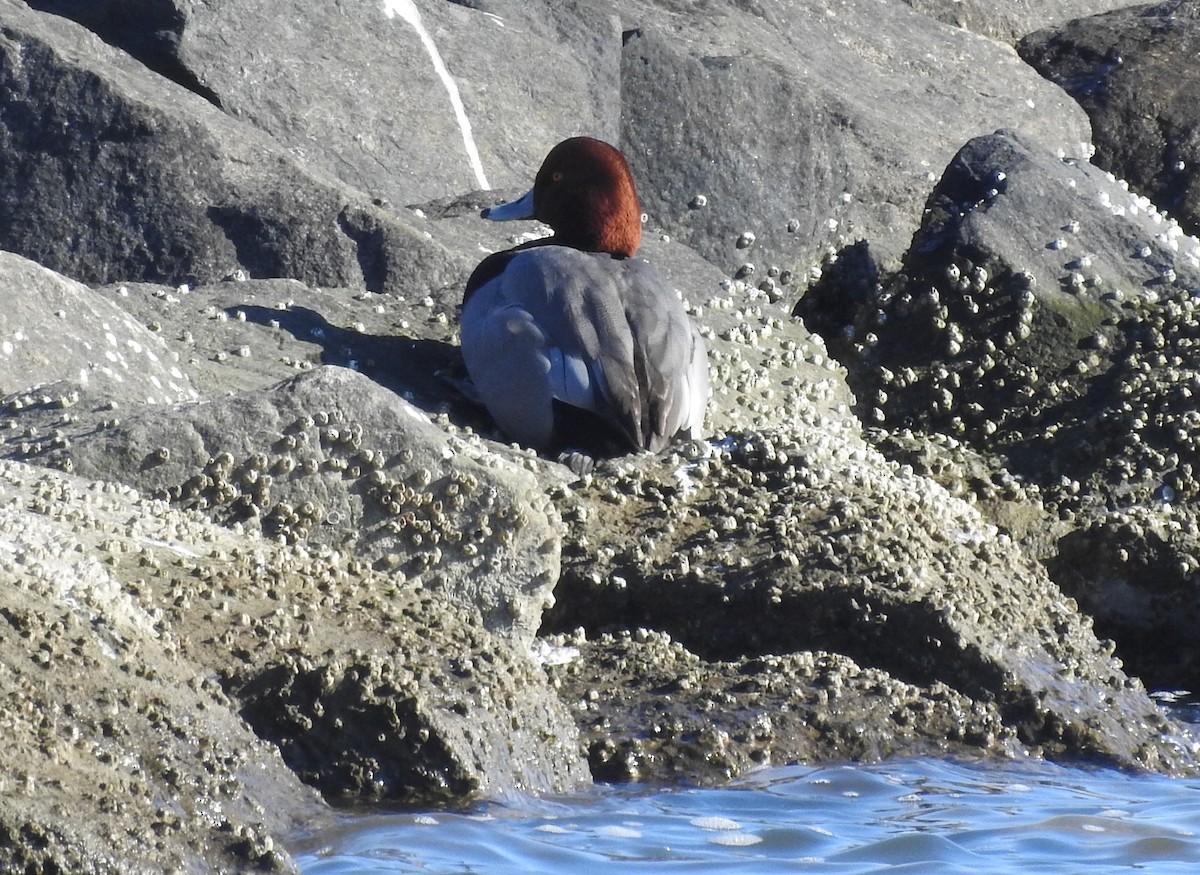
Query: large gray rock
(1134, 72)
(784, 119)
(1011, 320)
(61, 343)
(332, 458)
(1010, 20)
(167, 187)
(341, 87)
(125, 616)
(106, 707)
(721, 109)
(808, 540)
(1046, 314)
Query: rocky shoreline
(260, 556)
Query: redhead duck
(570, 341)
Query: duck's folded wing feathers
(575, 299)
(506, 355)
(609, 335)
(670, 357)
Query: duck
(573, 345)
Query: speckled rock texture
(997, 302)
(1011, 20)
(791, 109)
(123, 753)
(63, 344)
(1133, 72)
(331, 457)
(179, 678)
(1059, 338)
(651, 710)
(260, 552)
(807, 539)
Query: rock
(1134, 73)
(675, 714)
(368, 686)
(304, 675)
(766, 370)
(330, 457)
(845, 552)
(117, 737)
(880, 555)
(281, 220)
(251, 334)
(1013, 316)
(782, 118)
(1045, 314)
(1009, 21)
(378, 689)
(327, 455)
(340, 87)
(63, 345)
(201, 196)
(1133, 570)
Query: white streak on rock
(407, 10)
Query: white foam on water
(735, 839)
(715, 823)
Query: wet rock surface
(262, 554)
(651, 710)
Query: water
(913, 815)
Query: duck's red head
(585, 192)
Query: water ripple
(900, 816)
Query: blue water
(913, 815)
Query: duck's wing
(598, 333)
(650, 362)
(670, 357)
(580, 306)
(505, 353)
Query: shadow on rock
(423, 372)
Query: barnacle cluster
(1085, 387)
(729, 717)
(952, 354)
(843, 549)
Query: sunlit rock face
(252, 520)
